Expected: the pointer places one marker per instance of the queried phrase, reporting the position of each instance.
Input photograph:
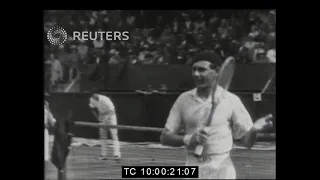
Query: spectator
(56, 71)
(224, 30)
(95, 67)
(190, 30)
(99, 44)
(74, 70)
(213, 24)
(115, 58)
(188, 25)
(271, 54)
(83, 51)
(250, 44)
(63, 57)
(259, 55)
(199, 24)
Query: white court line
(71, 84)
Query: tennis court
(83, 164)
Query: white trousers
(214, 167)
(109, 120)
(46, 145)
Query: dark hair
(209, 56)
(95, 96)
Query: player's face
(202, 74)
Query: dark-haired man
(104, 110)
(230, 120)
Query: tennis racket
(223, 79)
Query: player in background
(230, 120)
(49, 122)
(104, 110)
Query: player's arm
(243, 127)
(262, 123)
(249, 138)
(94, 112)
(169, 136)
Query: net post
(62, 174)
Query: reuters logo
(57, 35)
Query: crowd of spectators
(158, 37)
(164, 37)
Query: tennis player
(49, 122)
(104, 110)
(230, 121)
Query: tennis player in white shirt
(104, 110)
(49, 122)
(230, 121)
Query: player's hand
(199, 137)
(263, 123)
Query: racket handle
(198, 151)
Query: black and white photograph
(153, 94)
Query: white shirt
(104, 105)
(230, 120)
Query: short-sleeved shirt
(230, 119)
(104, 105)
